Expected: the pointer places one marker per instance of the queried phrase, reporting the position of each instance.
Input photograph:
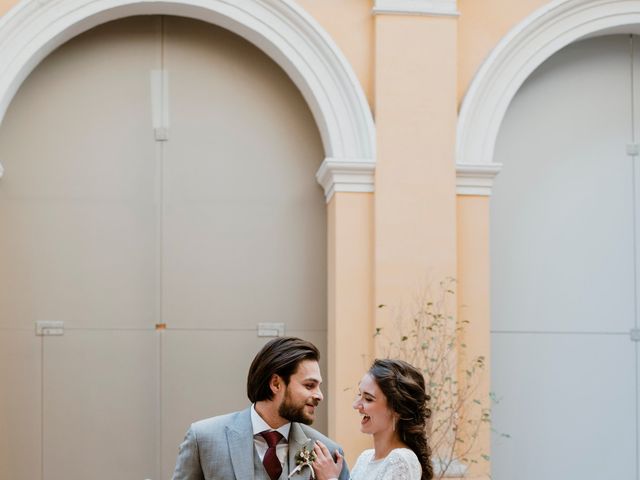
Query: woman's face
(372, 405)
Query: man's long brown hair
(280, 356)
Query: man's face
(302, 395)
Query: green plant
(433, 339)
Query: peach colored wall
(482, 23)
(415, 171)
(474, 303)
(350, 277)
(350, 25)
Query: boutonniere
(304, 458)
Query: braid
(412, 432)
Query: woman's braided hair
(404, 387)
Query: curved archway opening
(564, 265)
(511, 62)
(206, 230)
(286, 33)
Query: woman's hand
(324, 466)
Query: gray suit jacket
(221, 448)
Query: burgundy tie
(270, 461)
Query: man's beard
(293, 412)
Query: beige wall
(109, 231)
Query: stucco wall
(414, 72)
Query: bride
(393, 404)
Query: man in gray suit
(270, 440)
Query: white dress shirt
(259, 425)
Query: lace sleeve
(401, 464)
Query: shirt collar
(259, 425)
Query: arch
(291, 37)
(518, 54)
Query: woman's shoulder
(404, 454)
(363, 460)
(405, 460)
(366, 455)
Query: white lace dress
(400, 464)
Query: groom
(270, 440)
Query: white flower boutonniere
(304, 458)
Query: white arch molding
(518, 54)
(291, 37)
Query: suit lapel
(297, 441)
(240, 441)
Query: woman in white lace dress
(392, 402)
